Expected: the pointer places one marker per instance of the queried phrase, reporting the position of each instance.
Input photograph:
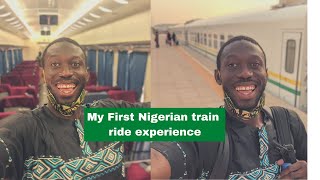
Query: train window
(210, 40)
(201, 38)
(205, 39)
(198, 38)
(221, 40)
(215, 41)
(290, 55)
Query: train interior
(115, 36)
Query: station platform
(182, 77)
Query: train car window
(201, 38)
(205, 39)
(210, 40)
(193, 37)
(221, 40)
(290, 55)
(215, 41)
(198, 38)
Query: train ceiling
(22, 17)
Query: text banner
(154, 124)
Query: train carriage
(281, 32)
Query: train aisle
(182, 77)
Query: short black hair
(238, 38)
(62, 39)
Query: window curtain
(20, 55)
(2, 63)
(92, 60)
(15, 57)
(123, 70)
(101, 68)
(137, 69)
(109, 58)
(6, 62)
(10, 60)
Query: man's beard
(245, 106)
(66, 109)
(59, 101)
(244, 113)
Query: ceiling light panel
(5, 14)
(17, 25)
(121, 1)
(81, 23)
(84, 8)
(94, 15)
(103, 9)
(19, 13)
(87, 20)
(77, 26)
(10, 19)
(14, 22)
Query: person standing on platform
(157, 39)
(168, 40)
(39, 57)
(174, 40)
(261, 142)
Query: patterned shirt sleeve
(182, 157)
(13, 129)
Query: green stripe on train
(298, 93)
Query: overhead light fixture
(81, 23)
(45, 28)
(18, 11)
(77, 26)
(5, 14)
(10, 19)
(17, 25)
(94, 15)
(15, 22)
(2, 6)
(87, 20)
(105, 9)
(84, 8)
(121, 1)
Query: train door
(289, 85)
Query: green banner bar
(154, 124)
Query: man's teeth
(66, 86)
(245, 88)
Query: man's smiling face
(243, 73)
(65, 71)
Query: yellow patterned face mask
(243, 114)
(66, 110)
